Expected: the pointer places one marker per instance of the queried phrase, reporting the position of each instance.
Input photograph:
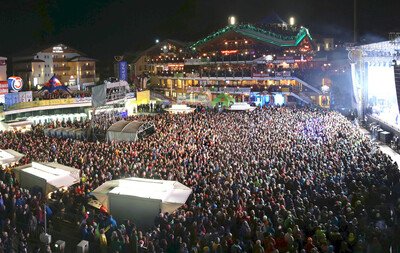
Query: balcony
(60, 60)
(88, 68)
(61, 68)
(88, 76)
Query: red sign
(3, 87)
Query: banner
(143, 97)
(99, 96)
(123, 70)
(3, 87)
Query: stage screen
(382, 97)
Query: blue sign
(11, 99)
(123, 70)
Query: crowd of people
(272, 180)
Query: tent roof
(163, 190)
(9, 155)
(259, 33)
(125, 126)
(55, 174)
(118, 126)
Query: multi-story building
(70, 66)
(260, 64)
(3, 68)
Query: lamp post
(291, 21)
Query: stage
(376, 88)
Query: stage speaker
(384, 137)
(59, 246)
(397, 82)
(82, 247)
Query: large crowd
(273, 180)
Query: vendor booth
(141, 200)
(48, 177)
(241, 107)
(9, 157)
(175, 109)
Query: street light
(157, 40)
(232, 20)
(291, 21)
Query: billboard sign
(123, 70)
(3, 87)
(15, 83)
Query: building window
(167, 93)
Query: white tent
(241, 107)
(177, 108)
(9, 157)
(141, 199)
(4, 126)
(129, 130)
(48, 176)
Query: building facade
(260, 64)
(69, 65)
(3, 68)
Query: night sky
(103, 28)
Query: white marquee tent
(129, 130)
(178, 108)
(48, 176)
(241, 107)
(9, 157)
(141, 199)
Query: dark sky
(103, 28)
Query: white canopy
(241, 107)
(177, 108)
(141, 199)
(48, 176)
(4, 126)
(9, 157)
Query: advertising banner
(3, 87)
(123, 70)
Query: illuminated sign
(58, 49)
(3, 87)
(226, 52)
(123, 70)
(15, 83)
